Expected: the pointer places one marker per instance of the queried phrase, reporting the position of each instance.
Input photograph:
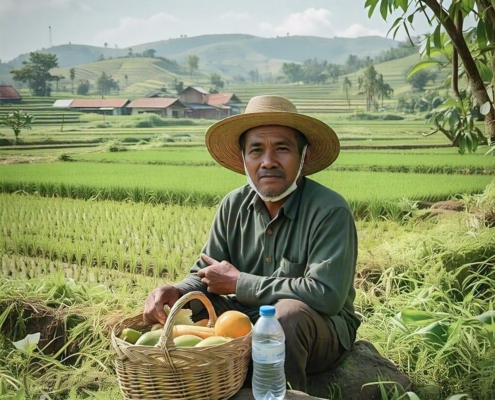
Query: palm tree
(346, 87)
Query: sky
(31, 25)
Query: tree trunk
(479, 90)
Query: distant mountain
(228, 55)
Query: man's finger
(207, 259)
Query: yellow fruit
(233, 324)
(187, 340)
(213, 341)
(130, 335)
(149, 338)
(201, 331)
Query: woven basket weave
(166, 371)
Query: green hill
(228, 55)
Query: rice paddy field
(96, 212)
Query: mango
(187, 340)
(130, 335)
(213, 341)
(149, 338)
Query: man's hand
(157, 299)
(220, 277)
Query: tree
(178, 86)
(421, 78)
(216, 81)
(346, 88)
(57, 79)
(72, 74)
(105, 84)
(192, 63)
(36, 73)
(368, 82)
(149, 53)
(384, 89)
(83, 88)
(17, 120)
(475, 47)
(293, 72)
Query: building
(9, 95)
(162, 106)
(206, 105)
(101, 106)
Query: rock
(363, 365)
(449, 205)
(247, 394)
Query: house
(205, 105)
(226, 100)
(8, 94)
(163, 106)
(101, 106)
(62, 103)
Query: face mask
(288, 191)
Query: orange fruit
(233, 324)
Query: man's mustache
(272, 173)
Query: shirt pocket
(290, 269)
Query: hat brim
(222, 138)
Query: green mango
(130, 335)
(149, 338)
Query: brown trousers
(311, 341)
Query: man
(283, 239)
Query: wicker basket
(166, 371)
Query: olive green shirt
(307, 252)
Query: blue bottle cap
(267, 311)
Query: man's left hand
(220, 276)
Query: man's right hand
(156, 300)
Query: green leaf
(481, 34)
(20, 395)
(485, 72)
(435, 333)
(412, 396)
(402, 4)
(485, 108)
(422, 65)
(371, 4)
(384, 9)
(437, 38)
(418, 317)
(487, 317)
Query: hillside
(227, 55)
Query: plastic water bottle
(268, 351)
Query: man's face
(272, 158)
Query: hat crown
(270, 103)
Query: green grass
(355, 186)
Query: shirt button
(269, 231)
(268, 259)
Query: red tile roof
(218, 99)
(154, 102)
(8, 92)
(98, 103)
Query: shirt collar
(289, 208)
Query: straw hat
(222, 138)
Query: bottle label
(268, 354)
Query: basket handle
(166, 339)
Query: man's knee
(293, 314)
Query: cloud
(138, 30)
(231, 15)
(310, 22)
(16, 6)
(356, 30)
